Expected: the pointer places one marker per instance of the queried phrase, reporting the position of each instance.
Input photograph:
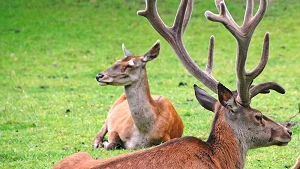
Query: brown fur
(225, 147)
(220, 151)
(168, 124)
(137, 119)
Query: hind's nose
(99, 76)
(290, 132)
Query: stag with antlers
(236, 127)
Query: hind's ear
(153, 52)
(205, 100)
(226, 98)
(126, 52)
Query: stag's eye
(258, 117)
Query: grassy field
(50, 51)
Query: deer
(236, 127)
(137, 119)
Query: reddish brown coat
(137, 119)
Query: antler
(173, 35)
(243, 35)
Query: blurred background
(50, 51)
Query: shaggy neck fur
(226, 148)
(140, 103)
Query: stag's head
(128, 70)
(250, 126)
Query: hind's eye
(129, 66)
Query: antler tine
(245, 31)
(181, 20)
(224, 17)
(173, 35)
(152, 15)
(263, 60)
(259, 68)
(265, 87)
(210, 59)
(183, 16)
(243, 35)
(260, 13)
(249, 11)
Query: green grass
(50, 52)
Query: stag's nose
(99, 76)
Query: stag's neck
(225, 146)
(140, 103)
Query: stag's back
(171, 154)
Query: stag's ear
(126, 52)
(153, 52)
(226, 98)
(205, 100)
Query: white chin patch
(102, 83)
